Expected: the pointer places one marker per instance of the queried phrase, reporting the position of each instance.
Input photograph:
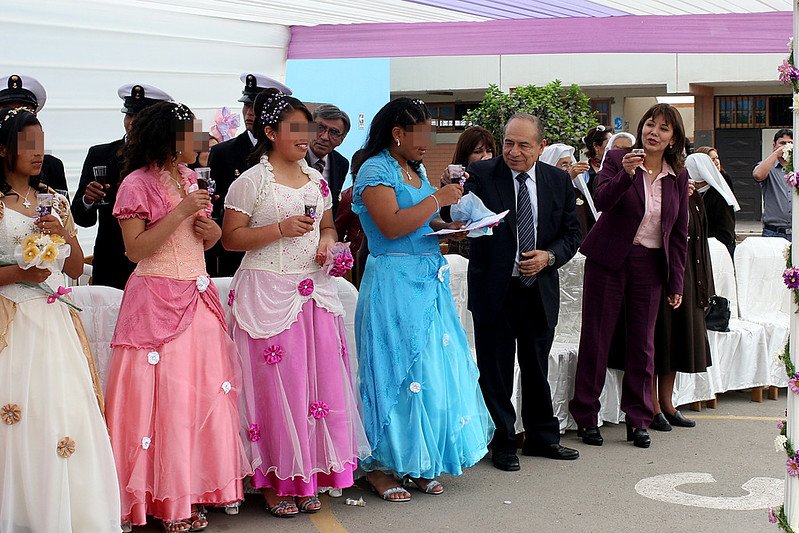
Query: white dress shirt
(326, 159)
(532, 190)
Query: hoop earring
(398, 141)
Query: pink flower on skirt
(230, 296)
(319, 410)
(324, 188)
(255, 433)
(305, 287)
(274, 354)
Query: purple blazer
(620, 198)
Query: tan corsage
(11, 413)
(65, 448)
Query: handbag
(717, 316)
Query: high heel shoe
(638, 436)
(677, 419)
(590, 436)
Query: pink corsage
(319, 410)
(274, 354)
(324, 188)
(305, 287)
(339, 259)
(230, 296)
(255, 433)
(62, 291)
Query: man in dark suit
(94, 201)
(24, 91)
(333, 124)
(227, 161)
(514, 293)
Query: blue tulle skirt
(424, 413)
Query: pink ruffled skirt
(310, 433)
(173, 416)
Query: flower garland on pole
(786, 516)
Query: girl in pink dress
(287, 317)
(175, 380)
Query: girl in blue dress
(423, 410)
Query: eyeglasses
(333, 133)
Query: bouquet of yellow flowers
(43, 251)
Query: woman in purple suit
(634, 253)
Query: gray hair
(331, 112)
(537, 124)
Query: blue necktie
(525, 223)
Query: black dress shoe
(638, 436)
(659, 423)
(507, 461)
(678, 420)
(552, 451)
(591, 436)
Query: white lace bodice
(14, 227)
(256, 194)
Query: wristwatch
(551, 260)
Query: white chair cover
(100, 307)
(458, 267)
(762, 297)
(571, 301)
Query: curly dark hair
(12, 122)
(401, 112)
(153, 135)
(675, 153)
(271, 107)
(595, 137)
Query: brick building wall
(436, 159)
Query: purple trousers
(638, 286)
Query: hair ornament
(273, 107)
(181, 111)
(12, 113)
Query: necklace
(407, 172)
(177, 182)
(25, 202)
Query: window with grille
(753, 112)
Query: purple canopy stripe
(525, 9)
(730, 33)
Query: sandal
(175, 526)
(386, 494)
(283, 509)
(197, 521)
(433, 486)
(232, 508)
(310, 505)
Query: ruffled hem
(338, 468)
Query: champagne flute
(101, 176)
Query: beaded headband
(12, 113)
(181, 111)
(273, 107)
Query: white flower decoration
(779, 443)
(465, 420)
(441, 273)
(153, 358)
(145, 442)
(445, 339)
(787, 149)
(416, 387)
(202, 283)
(226, 387)
(795, 101)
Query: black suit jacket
(491, 258)
(339, 166)
(52, 173)
(110, 266)
(227, 160)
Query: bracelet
(438, 205)
(279, 229)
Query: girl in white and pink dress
(174, 383)
(287, 317)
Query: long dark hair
(12, 122)
(401, 112)
(470, 139)
(673, 155)
(271, 107)
(153, 135)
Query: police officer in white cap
(18, 90)
(229, 159)
(94, 200)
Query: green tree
(564, 111)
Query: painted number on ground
(762, 492)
